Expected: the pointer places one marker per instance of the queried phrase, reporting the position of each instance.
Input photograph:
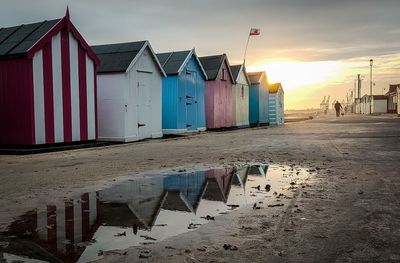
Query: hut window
(223, 74)
(242, 92)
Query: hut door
(144, 104)
(191, 100)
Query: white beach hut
(129, 92)
(240, 96)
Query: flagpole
(245, 51)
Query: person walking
(338, 106)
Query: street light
(371, 62)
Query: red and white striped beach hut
(47, 84)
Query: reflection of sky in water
(148, 210)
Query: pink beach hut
(218, 92)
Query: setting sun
(297, 74)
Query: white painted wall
(74, 77)
(139, 96)
(38, 97)
(125, 99)
(379, 106)
(57, 88)
(91, 110)
(111, 106)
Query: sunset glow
(297, 74)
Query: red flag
(255, 32)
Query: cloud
(303, 30)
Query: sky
(315, 48)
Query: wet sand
(348, 212)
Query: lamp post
(371, 62)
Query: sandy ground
(349, 212)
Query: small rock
(320, 236)
(145, 255)
(275, 205)
(202, 249)
(169, 247)
(230, 247)
(120, 234)
(360, 192)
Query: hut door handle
(188, 97)
(189, 125)
(140, 125)
(188, 103)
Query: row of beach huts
(55, 88)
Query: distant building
(379, 104)
(393, 96)
(324, 105)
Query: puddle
(139, 211)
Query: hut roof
(15, 41)
(273, 88)
(172, 61)
(236, 70)
(175, 61)
(120, 57)
(212, 65)
(255, 77)
(26, 39)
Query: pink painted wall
(218, 100)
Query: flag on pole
(255, 32)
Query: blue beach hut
(183, 92)
(258, 98)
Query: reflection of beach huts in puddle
(218, 184)
(132, 203)
(56, 231)
(136, 212)
(258, 169)
(184, 191)
(240, 176)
